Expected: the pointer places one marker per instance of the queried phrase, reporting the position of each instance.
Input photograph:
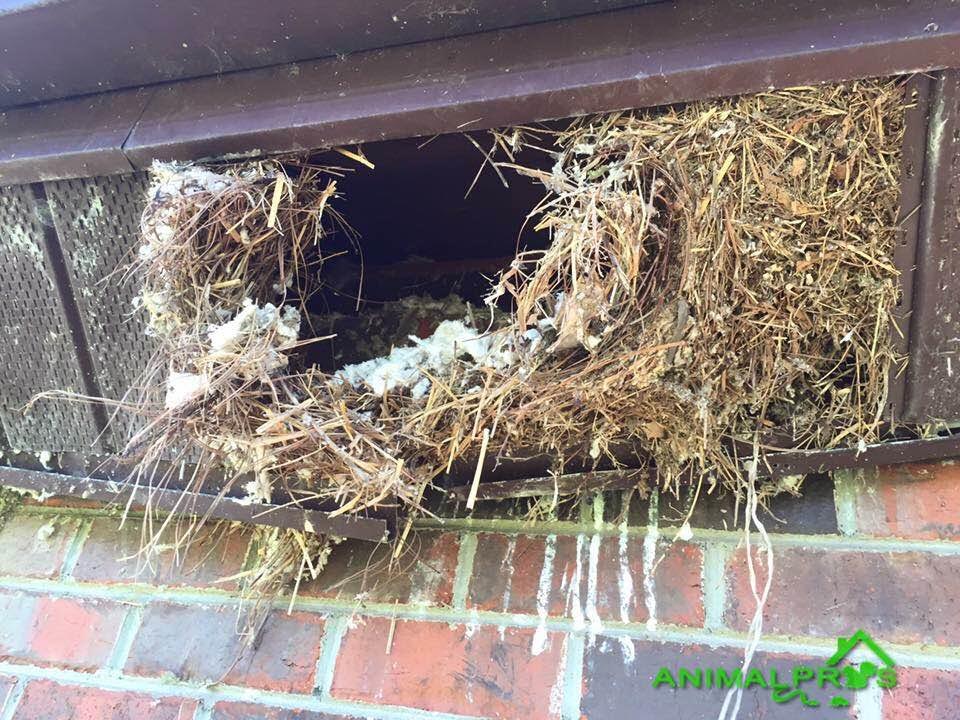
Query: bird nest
(715, 272)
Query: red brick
(493, 566)
(358, 570)
(529, 556)
(923, 695)
(507, 573)
(204, 644)
(422, 574)
(456, 669)
(495, 581)
(65, 632)
(900, 597)
(618, 683)
(111, 555)
(677, 583)
(35, 545)
(503, 583)
(46, 700)
(911, 501)
(814, 511)
(249, 711)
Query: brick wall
(490, 618)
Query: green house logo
(838, 673)
(857, 677)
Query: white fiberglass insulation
(184, 387)
(280, 326)
(404, 367)
(175, 180)
(253, 320)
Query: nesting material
(715, 271)
(725, 269)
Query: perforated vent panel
(98, 221)
(38, 352)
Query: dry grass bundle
(212, 243)
(715, 271)
(725, 268)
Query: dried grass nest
(715, 270)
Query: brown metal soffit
(60, 49)
(644, 56)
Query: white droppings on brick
(556, 691)
(649, 561)
(596, 625)
(625, 577)
(543, 595)
(41, 540)
(867, 703)
(625, 586)
(471, 627)
(354, 621)
(506, 567)
(425, 581)
(576, 608)
(565, 583)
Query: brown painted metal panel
(651, 55)
(70, 47)
(919, 90)
(795, 462)
(71, 138)
(643, 56)
(194, 503)
(933, 380)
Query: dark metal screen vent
(97, 221)
(38, 351)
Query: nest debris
(716, 271)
